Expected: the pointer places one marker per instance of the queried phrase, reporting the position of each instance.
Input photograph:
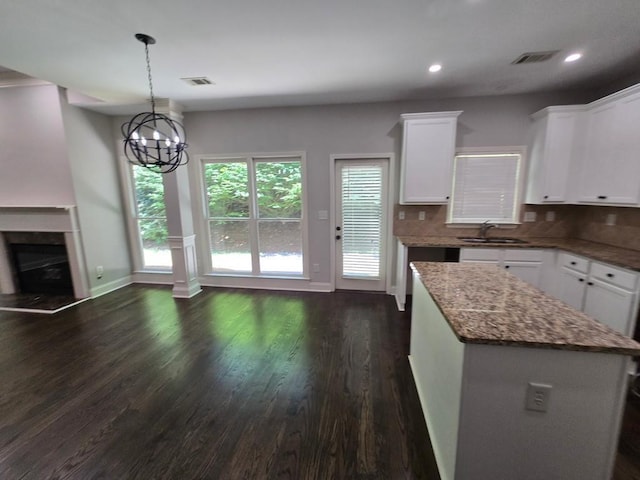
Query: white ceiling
(302, 52)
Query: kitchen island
(513, 383)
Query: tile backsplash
(551, 221)
(592, 225)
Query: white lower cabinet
(524, 263)
(530, 272)
(608, 294)
(571, 284)
(571, 287)
(610, 305)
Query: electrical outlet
(529, 216)
(538, 397)
(99, 271)
(550, 216)
(611, 219)
(316, 267)
(401, 215)
(323, 215)
(421, 215)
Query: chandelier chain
(153, 100)
(153, 140)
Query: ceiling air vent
(534, 57)
(197, 81)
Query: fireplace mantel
(44, 218)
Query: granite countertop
(484, 304)
(621, 257)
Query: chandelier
(151, 139)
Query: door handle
(338, 237)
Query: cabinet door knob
(602, 197)
(589, 283)
(506, 266)
(546, 196)
(610, 275)
(573, 263)
(447, 197)
(581, 279)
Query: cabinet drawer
(523, 254)
(480, 254)
(574, 262)
(614, 276)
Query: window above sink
(486, 185)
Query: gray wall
(96, 183)
(33, 153)
(46, 160)
(353, 129)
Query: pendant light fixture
(151, 139)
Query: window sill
(154, 271)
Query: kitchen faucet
(485, 227)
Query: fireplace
(41, 268)
(41, 252)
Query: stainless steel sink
(503, 240)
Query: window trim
(520, 181)
(202, 215)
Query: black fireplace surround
(41, 268)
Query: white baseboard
(110, 286)
(186, 291)
(400, 304)
(154, 278)
(320, 287)
(265, 283)
(262, 283)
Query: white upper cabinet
(428, 149)
(610, 168)
(557, 134)
(627, 153)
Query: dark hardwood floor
(230, 384)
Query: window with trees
(254, 215)
(150, 219)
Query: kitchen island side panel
(575, 439)
(436, 358)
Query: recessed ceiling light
(436, 67)
(573, 57)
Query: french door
(361, 223)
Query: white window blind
(485, 187)
(361, 220)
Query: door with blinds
(361, 224)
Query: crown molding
(17, 79)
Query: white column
(177, 194)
